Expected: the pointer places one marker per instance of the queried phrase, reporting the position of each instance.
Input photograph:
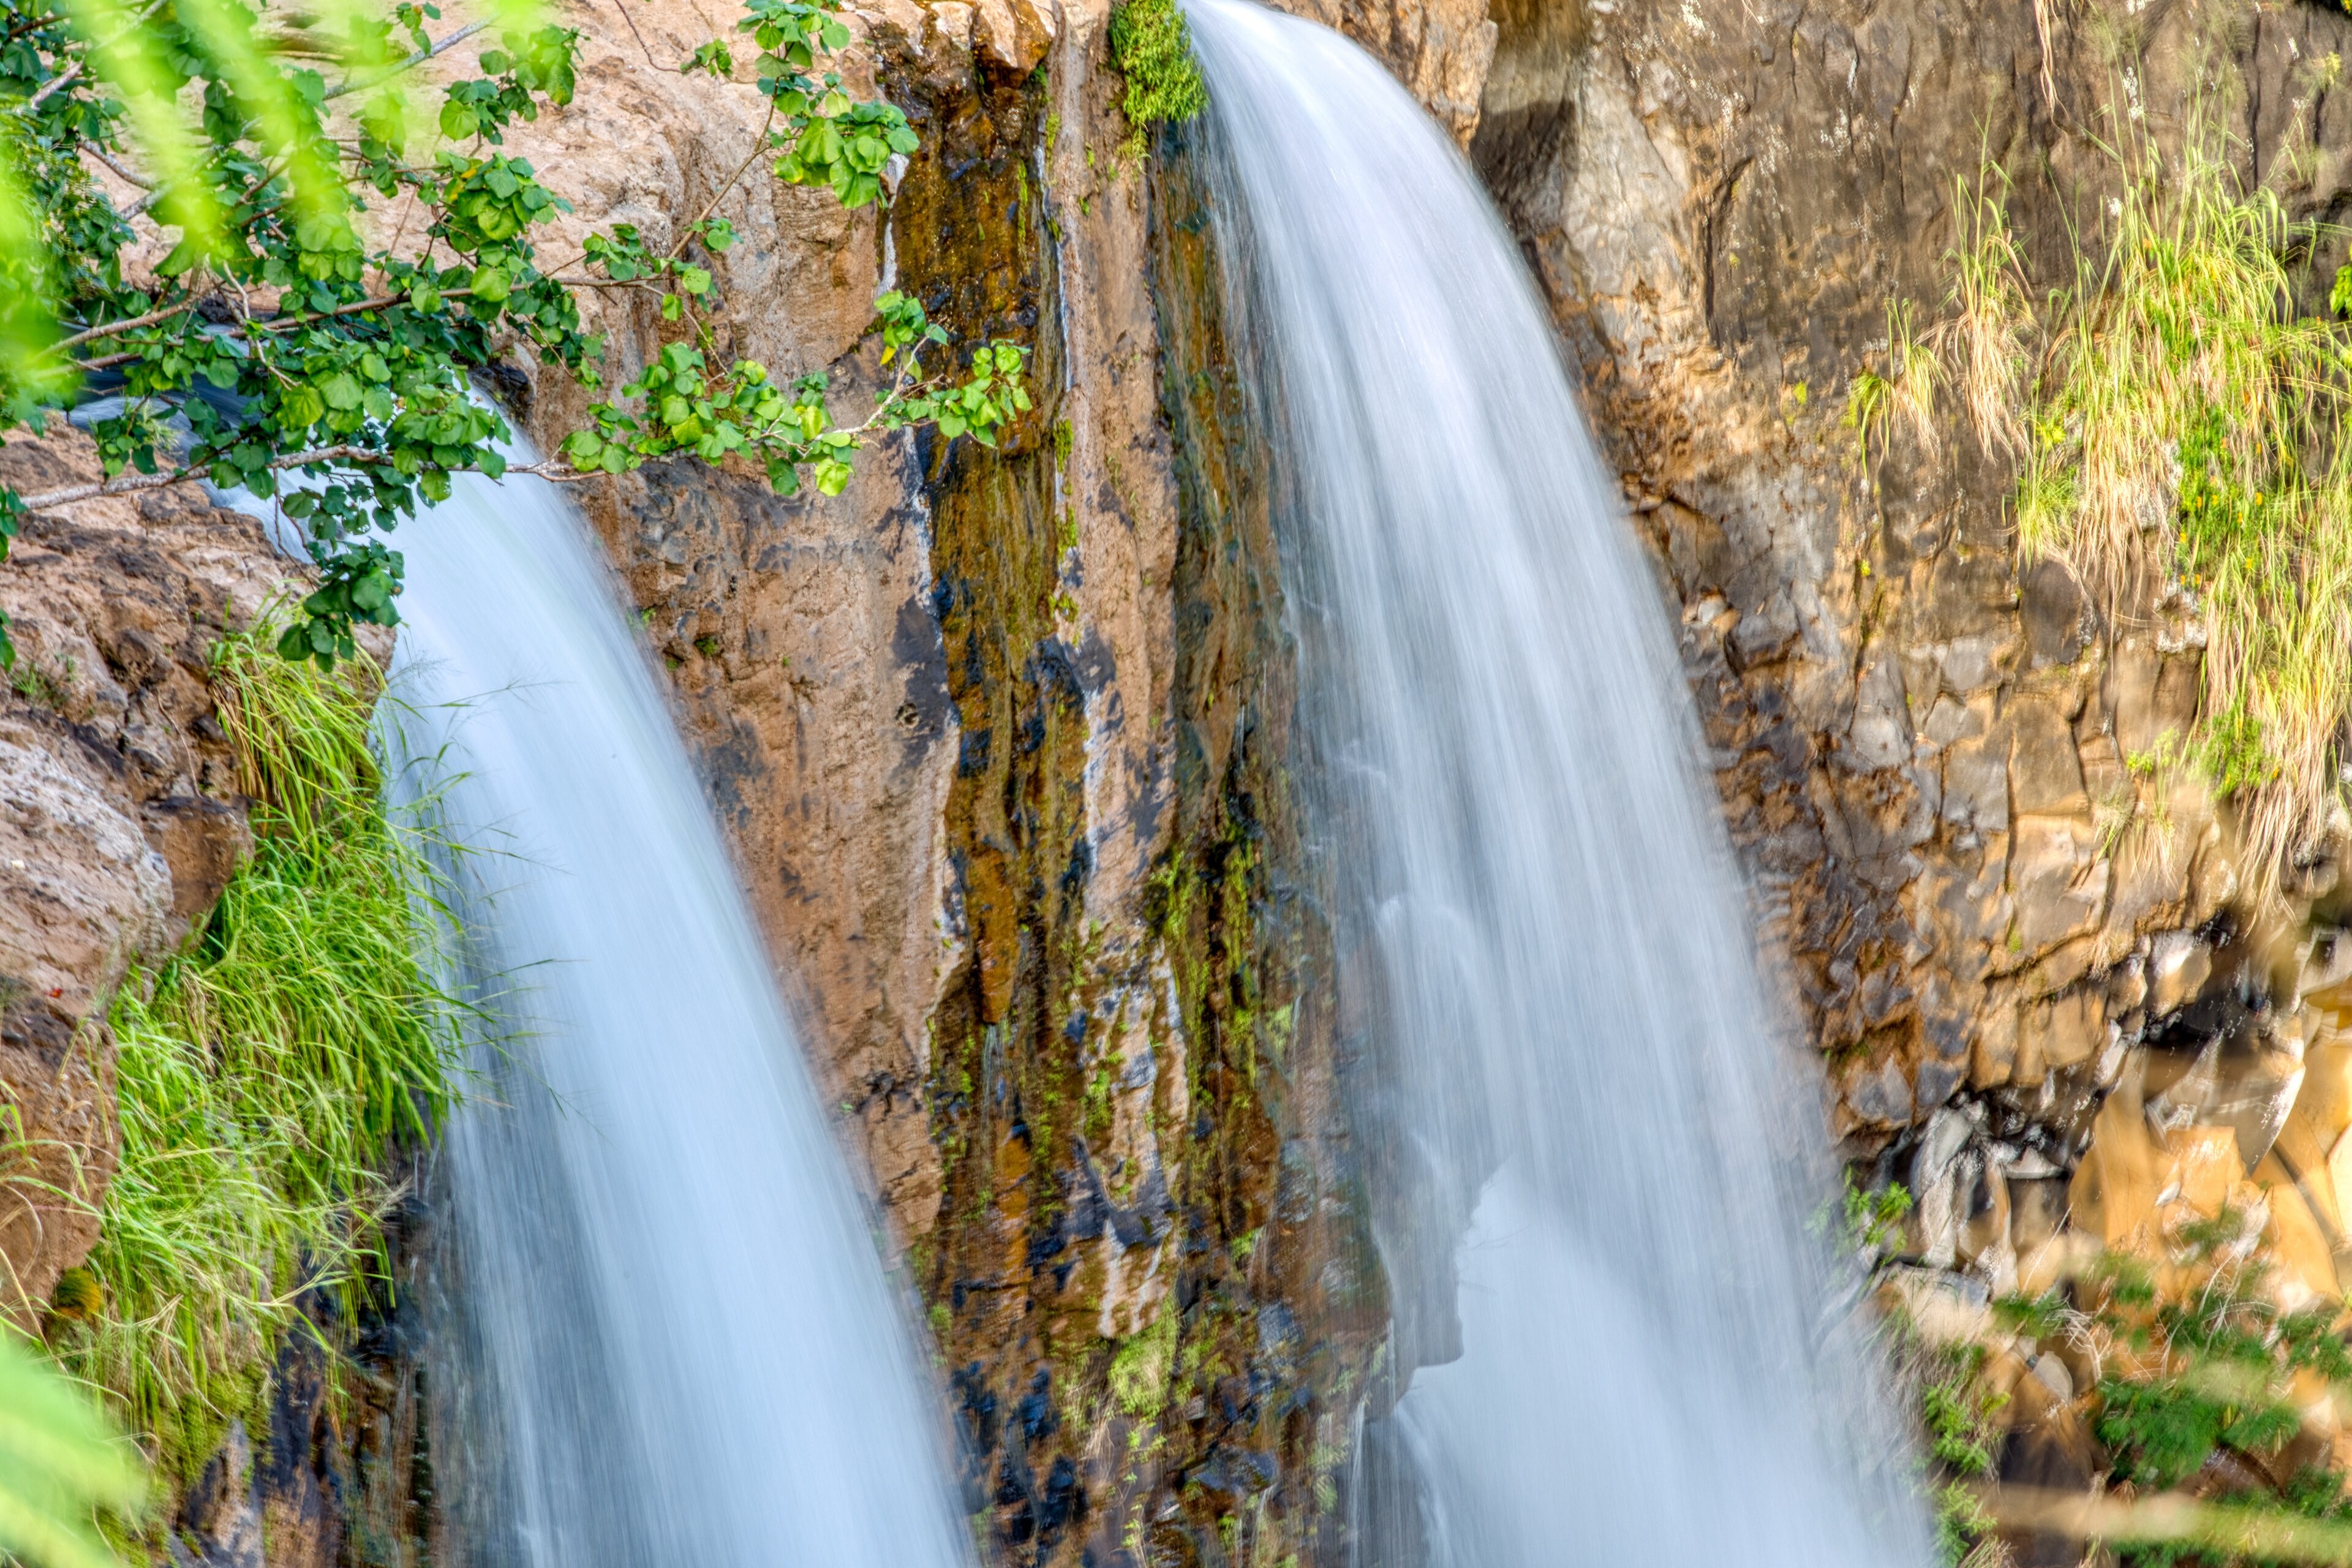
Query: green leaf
(342, 390)
(490, 284)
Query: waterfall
(1586, 1148)
(676, 1343)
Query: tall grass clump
(2177, 428)
(267, 1073)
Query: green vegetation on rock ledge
(286, 344)
(1153, 49)
(2205, 1376)
(2198, 1383)
(265, 1076)
(2180, 431)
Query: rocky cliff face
(2064, 1033)
(997, 741)
(120, 822)
(120, 818)
(999, 736)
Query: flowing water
(1590, 1189)
(675, 1343)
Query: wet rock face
(2021, 941)
(996, 736)
(1927, 758)
(119, 819)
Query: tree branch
(418, 58)
(110, 328)
(55, 85)
(276, 324)
(556, 473)
(103, 157)
(127, 483)
(73, 73)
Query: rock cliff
(996, 739)
(121, 818)
(2035, 964)
(998, 736)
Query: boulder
(2045, 773)
(2178, 965)
(2059, 881)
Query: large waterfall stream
(1592, 1200)
(678, 1343)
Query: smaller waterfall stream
(1589, 1165)
(680, 1343)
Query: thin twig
(559, 473)
(128, 483)
(103, 157)
(280, 323)
(55, 85)
(110, 328)
(632, 21)
(759, 146)
(73, 73)
(418, 58)
(276, 324)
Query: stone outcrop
(1926, 754)
(120, 818)
(2022, 935)
(998, 737)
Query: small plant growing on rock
(1959, 1416)
(265, 1075)
(1154, 48)
(2202, 1379)
(2175, 422)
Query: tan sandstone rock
(118, 819)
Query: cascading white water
(1590, 1169)
(680, 1345)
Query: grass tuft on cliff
(265, 1075)
(1152, 47)
(2178, 430)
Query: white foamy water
(1586, 1152)
(671, 1338)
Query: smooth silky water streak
(673, 1339)
(1590, 1178)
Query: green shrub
(266, 1074)
(2203, 1365)
(1153, 49)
